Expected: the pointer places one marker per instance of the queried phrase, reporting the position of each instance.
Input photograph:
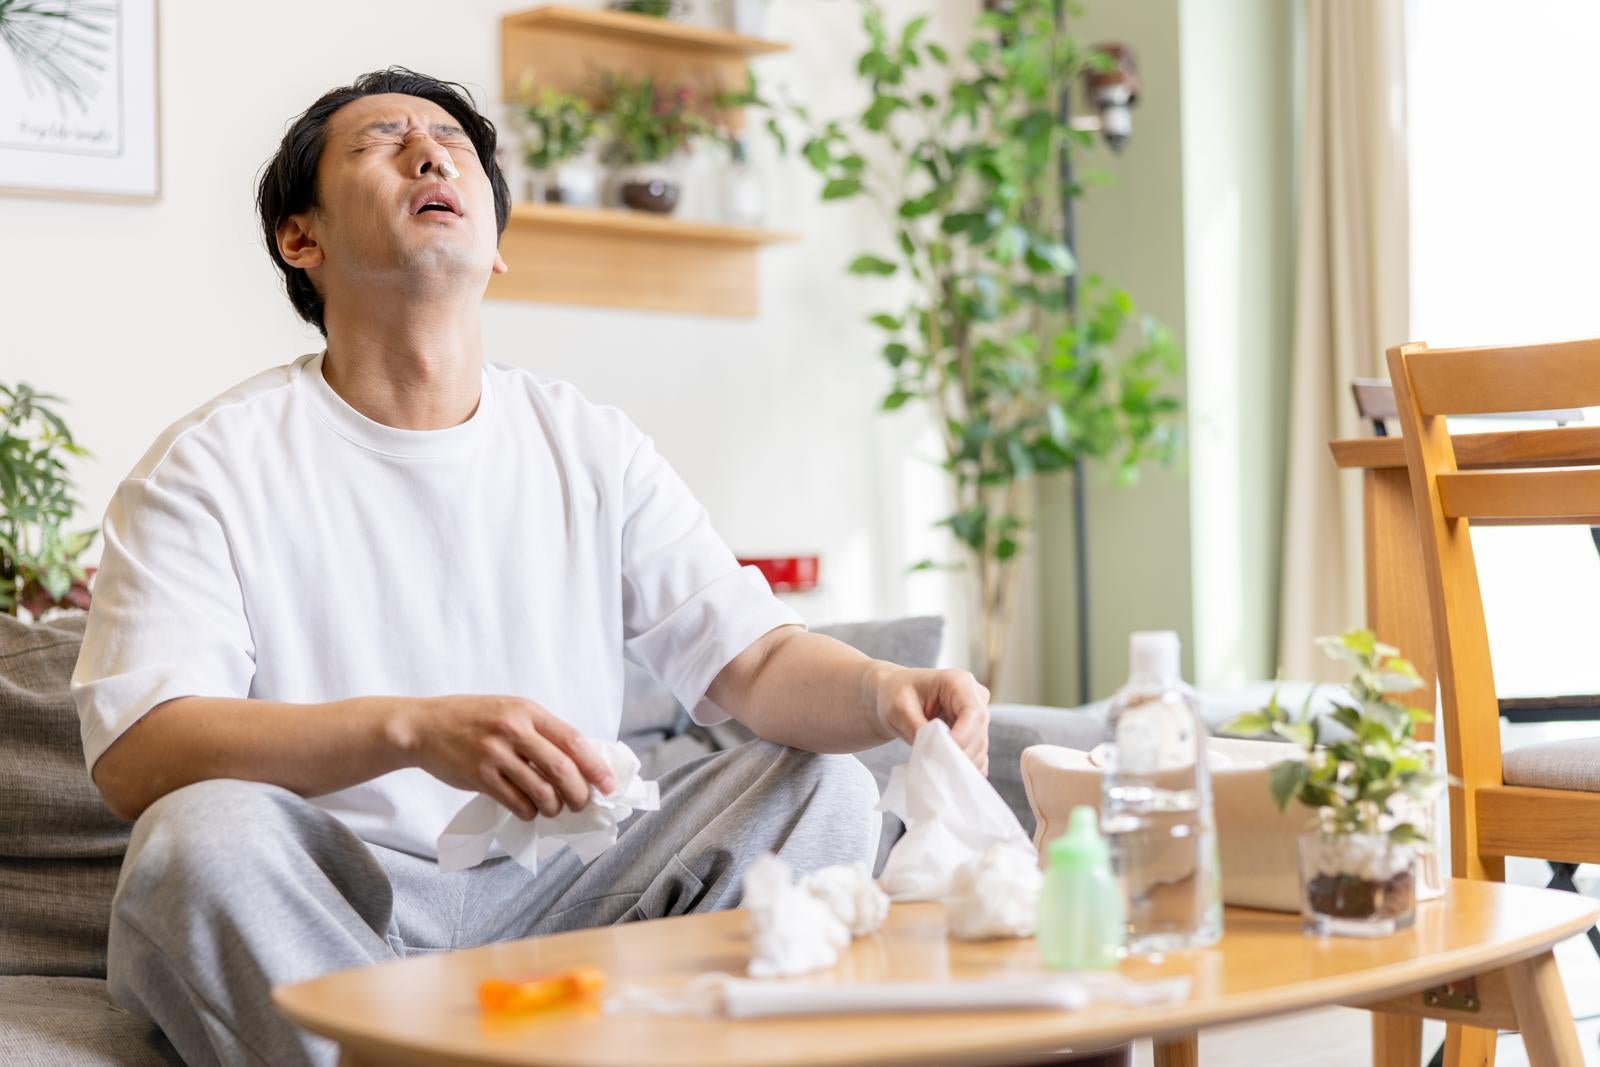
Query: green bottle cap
(1081, 846)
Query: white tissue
(791, 930)
(996, 894)
(850, 893)
(952, 815)
(484, 821)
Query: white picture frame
(80, 100)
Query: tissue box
(1256, 843)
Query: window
(1505, 229)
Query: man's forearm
(805, 690)
(311, 749)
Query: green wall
(1196, 228)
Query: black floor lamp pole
(1080, 521)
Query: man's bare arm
(813, 692)
(519, 753)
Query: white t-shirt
(277, 544)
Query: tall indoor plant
(963, 153)
(39, 566)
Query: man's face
(384, 206)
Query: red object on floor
(786, 574)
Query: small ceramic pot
(648, 187)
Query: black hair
(289, 180)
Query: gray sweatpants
(230, 888)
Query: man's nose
(430, 158)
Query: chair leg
(1562, 876)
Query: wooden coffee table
(1491, 941)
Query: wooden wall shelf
(641, 30)
(603, 258)
(619, 258)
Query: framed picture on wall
(78, 98)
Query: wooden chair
(1543, 800)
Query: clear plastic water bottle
(1155, 810)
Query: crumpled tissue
(952, 816)
(850, 893)
(484, 821)
(798, 927)
(996, 894)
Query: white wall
(138, 313)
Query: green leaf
(1285, 781)
(1250, 724)
(839, 188)
(816, 153)
(882, 108)
(1051, 256)
(919, 206)
(895, 400)
(1005, 549)
(896, 353)
(937, 51)
(885, 321)
(913, 29)
(1301, 733)
(778, 135)
(870, 264)
(1407, 834)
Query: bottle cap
(1081, 847)
(1154, 656)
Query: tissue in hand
(483, 822)
(952, 816)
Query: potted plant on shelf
(557, 127)
(648, 128)
(39, 568)
(1371, 792)
(961, 149)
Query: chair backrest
(1515, 488)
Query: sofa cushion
(49, 808)
(54, 915)
(69, 1022)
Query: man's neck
(421, 369)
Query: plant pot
(544, 187)
(1356, 885)
(648, 187)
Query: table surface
(424, 1010)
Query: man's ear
(499, 263)
(297, 244)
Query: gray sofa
(60, 850)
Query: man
(353, 591)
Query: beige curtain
(1351, 301)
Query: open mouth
(436, 198)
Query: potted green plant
(648, 128)
(556, 128)
(961, 150)
(1370, 791)
(39, 568)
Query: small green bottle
(1081, 925)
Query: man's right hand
(524, 756)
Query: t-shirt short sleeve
(688, 607)
(167, 618)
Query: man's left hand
(908, 699)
